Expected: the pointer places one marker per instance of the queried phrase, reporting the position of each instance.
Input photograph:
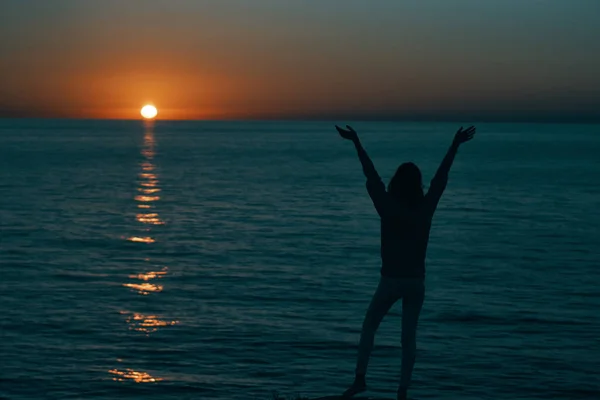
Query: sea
(235, 260)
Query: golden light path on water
(149, 190)
(145, 283)
(139, 239)
(129, 374)
(145, 323)
(144, 288)
(149, 194)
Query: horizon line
(479, 119)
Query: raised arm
(439, 181)
(367, 165)
(375, 185)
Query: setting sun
(149, 111)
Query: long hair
(407, 185)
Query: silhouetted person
(406, 214)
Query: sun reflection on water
(146, 323)
(149, 184)
(150, 218)
(146, 239)
(148, 191)
(150, 275)
(144, 288)
(144, 283)
(147, 198)
(130, 374)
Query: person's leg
(385, 296)
(412, 302)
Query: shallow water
(215, 260)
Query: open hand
(463, 136)
(349, 134)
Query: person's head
(407, 185)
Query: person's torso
(404, 245)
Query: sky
(255, 59)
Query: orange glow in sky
(274, 59)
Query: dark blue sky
(499, 59)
